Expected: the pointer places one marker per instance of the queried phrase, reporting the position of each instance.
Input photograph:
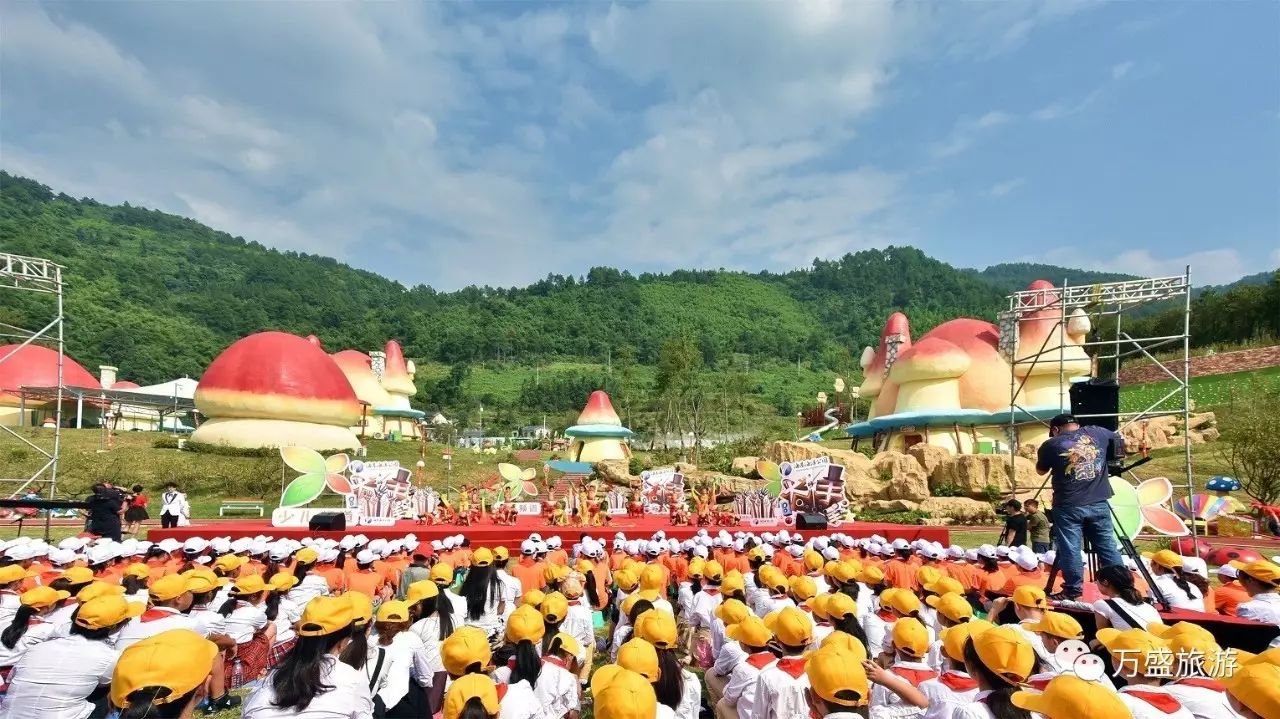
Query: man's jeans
(1092, 522)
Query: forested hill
(160, 295)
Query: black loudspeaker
(807, 520)
(328, 522)
(1097, 396)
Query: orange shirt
(1035, 578)
(558, 556)
(737, 561)
(616, 559)
(335, 577)
(462, 557)
(1229, 596)
(969, 576)
(679, 566)
(993, 581)
(898, 573)
(529, 573)
(366, 581)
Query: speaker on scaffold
(1097, 396)
(328, 522)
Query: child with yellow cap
(953, 686)
(702, 614)
(399, 671)
(895, 685)
(1070, 697)
(1029, 603)
(774, 586)
(727, 651)
(1254, 691)
(55, 678)
(162, 676)
(677, 688)
(755, 640)
(949, 609)
(1196, 684)
(474, 696)
(1167, 573)
(1133, 653)
(311, 683)
(557, 684)
(580, 624)
(246, 623)
(782, 687)
(620, 693)
(28, 627)
(1000, 660)
(466, 652)
(1052, 629)
(1261, 579)
(837, 685)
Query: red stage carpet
(492, 535)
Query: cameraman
(1078, 458)
(105, 504)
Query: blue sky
(487, 143)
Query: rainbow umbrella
(1200, 506)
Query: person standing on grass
(1077, 458)
(1037, 527)
(1015, 525)
(173, 505)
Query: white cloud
(967, 131)
(1208, 267)
(1000, 189)
(1121, 69)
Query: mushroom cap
(1223, 483)
(984, 381)
(358, 368)
(599, 410)
(396, 378)
(36, 366)
(276, 375)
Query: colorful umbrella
(1200, 506)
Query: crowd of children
(741, 626)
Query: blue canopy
(961, 417)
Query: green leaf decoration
(302, 490)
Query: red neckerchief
(915, 676)
(502, 691)
(156, 613)
(1160, 700)
(887, 615)
(792, 665)
(511, 663)
(958, 681)
(1203, 683)
(1039, 684)
(556, 661)
(760, 660)
(711, 591)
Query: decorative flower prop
(771, 473)
(517, 481)
(316, 473)
(1144, 506)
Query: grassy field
(1210, 392)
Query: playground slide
(832, 423)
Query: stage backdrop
(807, 486)
(373, 493)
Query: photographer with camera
(1078, 456)
(106, 503)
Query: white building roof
(184, 387)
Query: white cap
(535, 537)
(653, 548)
(101, 553)
(900, 543)
(1228, 571)
(1196, 566)
(1048, 557)
(195, 545)
(528, 546)
(75, 544)
(700, 551)
(955, 551)
(169, 545)
(438, 546)
(365, 557)
(831, 554)
(19, 552)
(450, 542)
(279, 552)
(554, 542)
(971, 555)
(988, 551)
(1026, 561)
(935, 552)
(1002, 551)
(62, 557)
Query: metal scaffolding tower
(1100, 301)
(32, 274)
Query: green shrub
(947, 490)
(635, 465)
(19, 454)
(914, 516)
(165, 441)
(992, 494)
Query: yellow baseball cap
(640, 657)
(696, 566)
(622, 694)
(442, 573)
(1063, 626)
(813, 561)
(464, 689)
(1263, 571)
(750, 632)
(713, 571)
(565, 642)
(845, 641)
(533, 598)
(229, 562)
(307, 555)
(138, 570)
(955, 638)
(501, 553)
(818, 606)
(802, 588)
(11, 573)
(902, 601)
(1031, 597)
(943, 585)
(657, 627)
(733, 582)
(1190, 644)
(178, 660)
(202, 581)
(248, 585)
(554, 608)
(465, 648)
(555, 572)
(420, 590)
(1070, 697)
(838, 677)
(951, 605)
(653, 578)
(106, 612)
(1271, 656)
(482, 557)
(871, 575)
(525, 624)
(792, 627)
(910, 637)
(170, 586)
(78, 575)
(1168, 632)
(625, 579)
(393, 611)
(99, 589)
(928, 575)
(1132, 645)
(1166, 558)
(1006, 653)
(843, 572)
(732, 611)
(582, 566)
(772, 578)
(841, 605)
(325, 615)
(1257, 686)
(283, 582)
(42, 597)
(755, 553)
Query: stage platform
(491, 535)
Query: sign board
(301, 516)
(377, 521)
(658, 486)
(529, 508)
(812, 485)
(377, 492)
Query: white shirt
(348, 699)
(727, 657)
(9, 603)
(1177, 598)
(1142, 709)
(704, 609)
(740, 690)
(152, 622)
(557, 689)
(1262, 608)
(879, 634)
(690, 696)
(511, 592)
(942, 698)
(48, 684)
(311, 586)
(520, 703)
(1144, 613)
(427, 630)
(620, 637)
(779, 695)
(1202, 702)
(41, 632)
(773, 604)
(684, 597)
(1037, 643)
(975, 709)
(245, 621)
(580, 624)
(404, 660)
(287, 615)
(881, 696)
(207, 622)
